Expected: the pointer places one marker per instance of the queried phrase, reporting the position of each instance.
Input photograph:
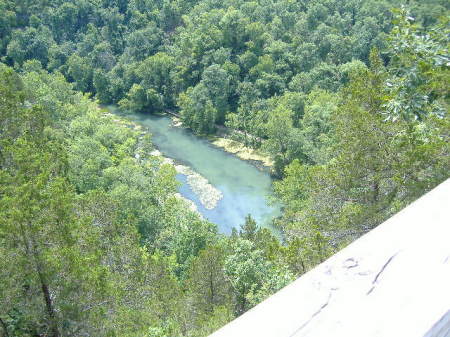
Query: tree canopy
(349, 98)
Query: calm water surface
(245, 188)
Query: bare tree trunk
(211, 289)
(30, 247)
(376, 191)
(47, 298)
(5, 328)
(50, 309)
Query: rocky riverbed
(208, 195)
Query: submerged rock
(185, 170)
(156, 153)
(208, 195)
(168, 161)
(189, 204)
(176, 122)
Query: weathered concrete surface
(392, 282)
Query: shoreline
(223, 141)
(257, 158)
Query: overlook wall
(392, 282)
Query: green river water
(245, 189)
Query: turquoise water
(245, 188)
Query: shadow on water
(245, 189)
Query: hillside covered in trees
(349, 98)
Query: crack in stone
(375, 280)
(350, 263)
(313, 315)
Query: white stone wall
(392, 282)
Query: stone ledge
(393, 281)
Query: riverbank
(240, 150)
(223, 141)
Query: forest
(349, 98)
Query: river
(244, 188)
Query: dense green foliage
(383, 144)
(215, 61)
(348, 97)
(94, 241)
